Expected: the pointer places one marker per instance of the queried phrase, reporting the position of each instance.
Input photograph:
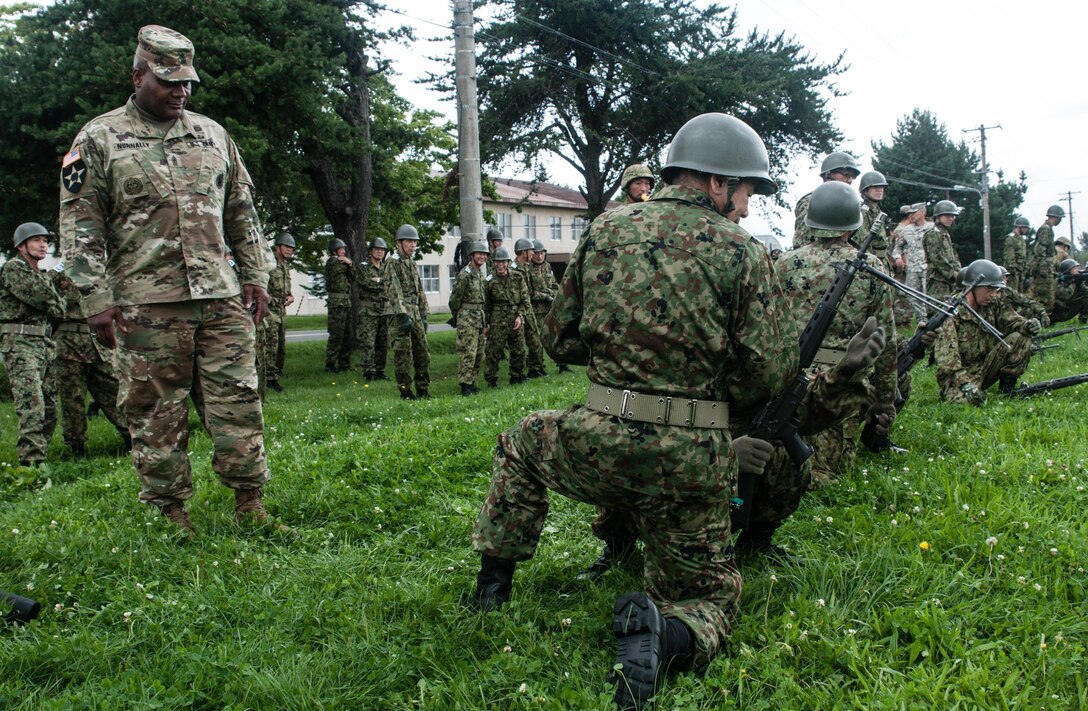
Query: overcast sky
(1014, 64)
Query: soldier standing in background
(837, 166)
(151, 196)
(372, 278)
(408, 322)
(942, 262)
(872, 186)
(1016, 253)
(505, 300)
(1042, 258)
(636, 183)
(339, 276)
(28, 303)
(83, 365)
(534, 360)
(274, 329)
(542, 289)
(467, 306)
(494, 241)
(1062, 249)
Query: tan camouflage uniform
(909, 246)
(467, 306)
(410, 350)
(373, 331)
(668, 298)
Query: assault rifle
(1055, 334)
(1048, 385)
(777, 421)
(1079, 278)
(23, 609)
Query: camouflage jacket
(942, 262)
(279, 287)
(405, 287)
(27, 295)
(879, 246)
(505, 298)
(1042, 253)
(806, 273)
(74, 339)
(801, 233)
(1016, 259)
(542, 286)
(467, 300)
(147, 213)
(1070, 299)
(338, 280)
(1025, 305)
(963, 343)
(908, 246)
(670, 297)
(373, 282)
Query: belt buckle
(627, 397)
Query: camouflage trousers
(272, 336)
(836, 449)
(410, 351)
(1043, 289)
(541, 313)
(999, 362)
(674, 483)
(534, 348)
(338, 347)
(501, 336)
(166, 349)
(74, 380)
(915, 280)
(470, 353)
(29, 360)
(373, 343)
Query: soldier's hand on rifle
(972, 394)
(929, 337)
(882, 415)
(1033, 326)
(752, 454)
(864, 347)
(405, 325)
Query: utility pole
(985, 188)
(470, 182)
(1069, 201)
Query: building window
(530, 227)
(453, 276)
(455, 231)
(429, 274)
(557, 228)
(577, 227)
(503, 223)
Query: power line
(916, 170)
(587, 45)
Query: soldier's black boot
(616, 553)
(1007, 383)
(492, 383)
(79, 450)
(640, 649)
(493, 583)
(406, 394)
(564, 368)
(274, 385)
(756, 540)
(467, 390)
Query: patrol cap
(27, 230)
(169, 54)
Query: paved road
(293, 336)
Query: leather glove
(973, 395)
(863, 349)
(929, 338)
(405, 325)
(882, 415)
(752, 454)
(1033, 326)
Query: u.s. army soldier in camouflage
(339, 276)
(151, 196)
(534, 347)
(805, 274)
(663, 301)
(969, 358)
(83, 365)
(1016, 253)
(273, 332)
(909, 253)
(838, 166)
(1041, 263)
(372, 278)
(505, 301)
(28, 304)
(467, 306)
(942, 262)
(408, 322)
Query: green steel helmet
(493, 233)
(477, 248)
(523, 244)
(1055, 211)
(379, 243)
(538, 246)
(989, 272)
(285, 239)
(1021, 222)
(336, 244)
(720, 144)
(1063, 240)
(839, 160)
(834, 208)
(946, 207)
(407, 232)
(502, 254)
(872, 179)
(634, 172)
(27, 230)
(1067, 266)
(1004, 271)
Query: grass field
(951, 577)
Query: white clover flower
(966, 507)
(524, 688)
(1037, 586)
(821, 602)
(1000, 557)
(829, 520)
(565, 622)
(991, 541)
(1021, 579)
(507, 649)
(1053, 551)
(851, 631)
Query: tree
(602, 84)
(922, 164)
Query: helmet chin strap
(731, 187)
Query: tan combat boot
(179, 517)
(249, 507)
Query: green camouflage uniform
(534, 347)
(1016, 259)
(83, 365)
(1025, 305)
(467, 306)
(942, 262)
(801, 232)
(273, 331)
(1070, 299)
(967, 353)
(28, 302)
(664, 297)
(410, 350)
(542, 290)
(338, 280)
(870, 209)
(372, 334)
(148, 210)
(805, 275)
(505, 298)
(1042, 266)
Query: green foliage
(923, 165)
(659, 65)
